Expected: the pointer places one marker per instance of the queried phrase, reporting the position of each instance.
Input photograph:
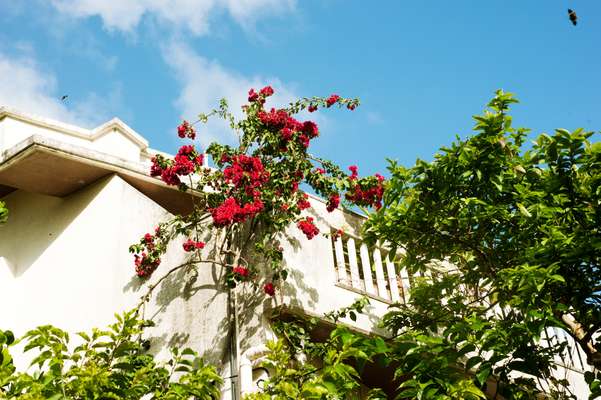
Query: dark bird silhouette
(573, 16)
(64, 97)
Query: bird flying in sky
(573, 16)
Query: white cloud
(25, 86)
(193, 15)
(204, 82)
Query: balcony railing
(368, 270)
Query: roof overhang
(42, 165)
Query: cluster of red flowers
(368, 192)
(145, 264)
(304, 202)
(185, 162)
(230, 211)
(354, 173)
(263, 93)
(246, 172)
(186, 130)
(308, 227)
(280, 120)
(191, 245)
(330, 101)
(241, 272)
(333, 202)
(148, 261)
(269, 289)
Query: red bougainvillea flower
(276, 119)
(351, 106)
(308, 227)
(367, 192)
(320, 171)
(286, 133)
(145, 264)
(354, 172)
(241, 271)
(338, 233)
(267, 91)
(156, 169)
(310, 129)
(148, 238)
(246, 172)
(186, 161)
(332, 99)
(333, 202)
(191, 245)
(224, 214)
(269, 289)
(186, 130)
(230, 211)
(304, 202)
(312, 108)
(252, 95)
(169, 176)
(294, 187)
(304, 140)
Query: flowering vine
(252, 194)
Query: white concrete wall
(312, 282)
(65, 262)
(15, 131)
(113, 142)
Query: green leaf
(523, 210)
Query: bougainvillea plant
(252, 194)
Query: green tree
(103, 364)
(506, 237)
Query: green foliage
(356, 308)
(508, 238)
(109, 364)
(303, 368)
(3, 212)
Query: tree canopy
(506, 237)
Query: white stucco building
(78, 198)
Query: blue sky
(421, 69)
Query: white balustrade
(394, 286)
(340, 263)
(380, 278)
(352, 258)
(366, 266)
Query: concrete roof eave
(42, 165)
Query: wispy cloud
(204, 82)
(26, 86)
(190, 15)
